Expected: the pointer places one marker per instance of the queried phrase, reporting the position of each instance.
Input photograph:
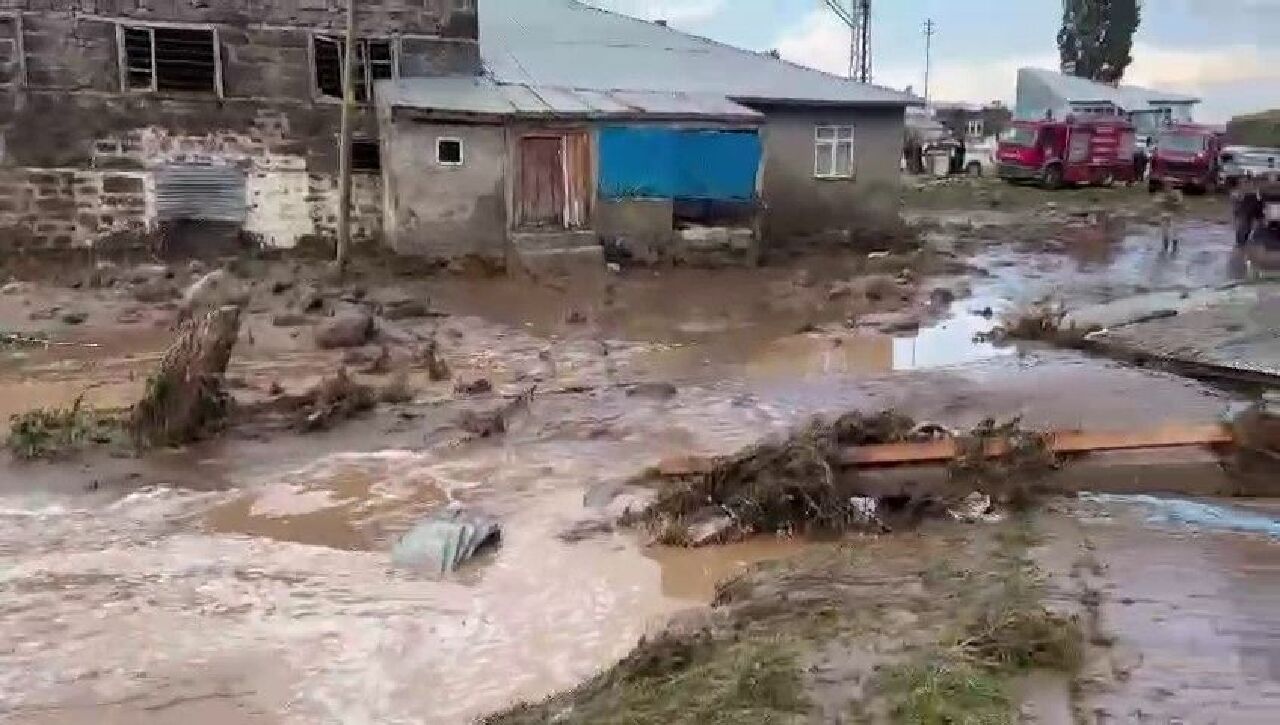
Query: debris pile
(1043, 322)
(785, 486)
(803, 483)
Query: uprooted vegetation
(1041, 323)
(932, 630)
(799, 484)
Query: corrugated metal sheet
(1071, 89)
(562, 43)
(678, 163)
(208, 193)
(485, 97)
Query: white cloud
(1221, 75)
(676, 12)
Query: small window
(375, 60)
(365, 156)
(169, 59)
(449, 151)
(833, 152)
(976, 128)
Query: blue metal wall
(667, 163)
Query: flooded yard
(249, 579)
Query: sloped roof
(562, 43)
(485, 97)
(1082, 90)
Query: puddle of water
(693, 574)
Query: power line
(857, 16)
(930, 29)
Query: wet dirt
(250, 579)
(1188, 620)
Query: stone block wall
(63, 110)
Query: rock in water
(185, 397)
(444, 541)
(350, 328)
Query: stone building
(199, 119)
(591, 130)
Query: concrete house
(1041, 92)
(199, 121)
(589, 128)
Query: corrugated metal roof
(482, 96)
(1081, 90)
(564, 44)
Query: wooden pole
(344, 140)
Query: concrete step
(560, 262)
(533, 241)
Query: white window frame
(976, 128)
(392, 40)
(462, 151)
(833, 136)
(122, 58)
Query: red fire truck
(1188, 157)
(1092, 150)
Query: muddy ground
(248, 578)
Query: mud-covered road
(249, 579)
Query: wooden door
(542, 184)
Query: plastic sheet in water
(1198, 514)
(444, 541)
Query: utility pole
(344, 140)
(858, 18)
(930, 28)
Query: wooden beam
(942, 451)
(1059, 442)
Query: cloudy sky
(1225, 51)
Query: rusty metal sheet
(206, 193)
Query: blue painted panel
(677, 163)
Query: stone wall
(63, 109)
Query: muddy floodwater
(250, 580)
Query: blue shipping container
(668, 163)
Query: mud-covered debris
(429, 357)
(473, 386)
(308, 299)
(380, 364)
(1009, 478)
(15, 288)
(289, 319)
(74, 317)
(493, 422)
(335, 398)
(447, 539)
(185, 397)
(1042, 322)
(348, 328)
(405, 308)
(575, 317)
(281, 286)
(781, 486)
(154, 291)
(655, 391)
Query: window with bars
(169, 59)
(833, 152)
(375, 60)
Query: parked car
(1257, 214)
(980, 158)
(1187, 156)
(1055, 154)
(1238, 162)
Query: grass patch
(937, 690)
(687, 681)
(52, 433)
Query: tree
(1096, 40)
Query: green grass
(48, 433)
(937, 690)
(753, 681)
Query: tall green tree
(1096, 40)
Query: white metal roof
(485, 97)
(564, 44)
(1073, 89)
